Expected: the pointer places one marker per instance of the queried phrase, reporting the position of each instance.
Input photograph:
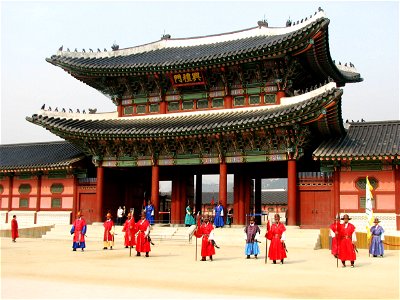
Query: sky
(365, 33)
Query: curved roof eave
(193, 123)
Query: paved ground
(41, 269)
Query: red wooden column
(236, 189)
(99, 194)
(175, 200)
(241, 213)
(292, 191)
(182, 200)
(10, 194)
(163, 107)
(38, 195)
(155, 188)
(75, 201)
(199, 192)
(257, 199)
(228, 101)
(279, 95)
(247, 197)
(397, 196)
(223, 183)
(119, 110)
(336, 191)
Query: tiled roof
(162, 56)
(38, 156)
(201, 122)
(182, 54)
(370, 140)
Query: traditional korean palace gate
(253, 103)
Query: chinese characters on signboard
(187, 78)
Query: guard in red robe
(79, 230)
(130, 230)
(108, 232)
(334, 232)
(142, 239)
(205, 231)
(14, 228)
(347, 240)
(276, 233)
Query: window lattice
(23, 202)
(238, 101)
(56, 203)
(254, 99)
(187, 104)
(141, 109)
(217, 102)
(173, 106)
(154, 108)
(24, 189)
(128, 110)
(361, 183)
(202, 103)
(269, 98)
(56, 188)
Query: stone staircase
(95, 233)
(295, 237)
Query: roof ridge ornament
(165, 36)
(114, 47)
(262, 23)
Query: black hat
(345, 216)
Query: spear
(197, 225)
(266, 241)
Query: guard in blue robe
(219, 215)
(377, 236)
(149, 210)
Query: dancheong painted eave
(320, 106)
(364, 141)
(173, 55)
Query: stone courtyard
(49, 269)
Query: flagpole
(368, 210)
(266, 243)
(337, 244)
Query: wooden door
(322, 208)
(315, 208)
(87, 205)
(307, 208)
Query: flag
(368, 207)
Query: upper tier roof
(181, 54)
(321, 106)
(38, 156)
(364, 140)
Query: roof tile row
(38, 155)
(365, 139)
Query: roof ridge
(36, 143)
(204, 40)
(374, 123)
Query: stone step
(294, 235)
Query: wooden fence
(362, 243)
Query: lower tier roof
(364, 140)
(38, 156)
(322, 109)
